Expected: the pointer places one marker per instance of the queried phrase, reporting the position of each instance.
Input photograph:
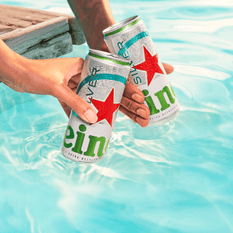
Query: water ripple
(200, 71)
(156, 179)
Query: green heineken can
(102, 84)
(130, 39)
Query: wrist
(94, 16)
(13, 68)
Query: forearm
(28, 75)
(11, 65)
(95, 16)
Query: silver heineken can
(102, 84)
(130, 39)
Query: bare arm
(95, 16)
(57, 77)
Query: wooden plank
(20, 40)
(14, 18)
(38, 34)
(55, 47)
(76, 32)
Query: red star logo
(106, 108)
(150, 65)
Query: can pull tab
(123, 52)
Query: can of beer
(130, 39)
(102, 84)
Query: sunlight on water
(175, 177)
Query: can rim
(127, 23)
(109, 57)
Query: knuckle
(132, 117)
(77, 102)
(80, 63)
(129, 114)
(129, 104)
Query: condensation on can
(102, 85)
(130, 39)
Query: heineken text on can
(131, 40)
(102, 85)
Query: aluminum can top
(109, 57)
(125, 24)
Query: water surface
(173, 178)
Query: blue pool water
(176, 177)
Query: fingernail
(137, 98)
(90, 116)
(141, 113)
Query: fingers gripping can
(130, 39)
(103, 80)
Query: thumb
(77, 103)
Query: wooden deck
(38, 34)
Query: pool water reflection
(176, 177)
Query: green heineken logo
(160, 96)
(99, 142)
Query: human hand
(132, 103)
(63, 76)
(94, 18)
(58, 77)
